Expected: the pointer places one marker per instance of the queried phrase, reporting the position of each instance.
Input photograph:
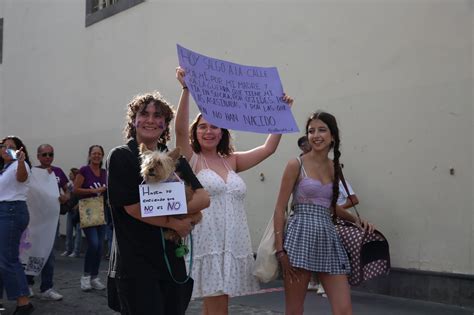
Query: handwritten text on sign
(235, 96)
(162, 199)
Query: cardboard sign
(235, 96)
(167, 198)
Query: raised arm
(22, 170)
(181, 125)
(248, 159)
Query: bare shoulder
(293, 165)
(231, 160)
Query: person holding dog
(143, 277)
(223, 262)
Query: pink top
(312, 191)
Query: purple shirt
(90, 179)
(60, 176)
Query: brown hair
(331, 122)
(140, 103)
(224, 147)
(19, 144)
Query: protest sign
(43, 206)
(236, 96)
(166, 198)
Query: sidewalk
(270, 300)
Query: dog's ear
(175, 153)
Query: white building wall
(397, 75)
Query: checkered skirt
(312, 242)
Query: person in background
(73, 229)
(91, 181)
(14, 217)
(45, 155)
(303, 145)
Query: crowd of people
(146, 275)
(16, 182)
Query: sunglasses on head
(47, 154)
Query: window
(1, 40)
(97, 10)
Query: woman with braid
(310, 243)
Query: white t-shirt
(10, 188)
(343, 194)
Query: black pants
(149, 296)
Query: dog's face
(157, 166)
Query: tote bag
(91, 212)
(266, 264)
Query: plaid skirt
(312, 242)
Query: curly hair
(331, 122)
(19, 144)
(140, 103)
(224, 147)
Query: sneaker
(32, 293)
(97, 285)
(312, 286)
(2, 308)
(66, 253)
(50, 295)
(86, 283)
(24, 309)
(73, 255)
(320, 290)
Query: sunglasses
(47, 154)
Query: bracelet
(280, 253)
(277, 232)
(185, 87)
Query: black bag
(68, 205)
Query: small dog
(158, 166)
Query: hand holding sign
(235, 96)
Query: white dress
(222, 251)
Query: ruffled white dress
(222, 251)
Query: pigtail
(337, 175)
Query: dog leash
(168, 266)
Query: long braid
(337, 174)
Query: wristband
(185, 87)
(280, 253)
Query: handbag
(68, 205)
(368, 253)
(266, 264)
(266, 267)
(91, 211)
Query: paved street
(268, 301)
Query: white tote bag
(266, 264)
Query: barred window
(97, 10)
(101, 4)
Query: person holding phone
(14, 217)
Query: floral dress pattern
(222, 251)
